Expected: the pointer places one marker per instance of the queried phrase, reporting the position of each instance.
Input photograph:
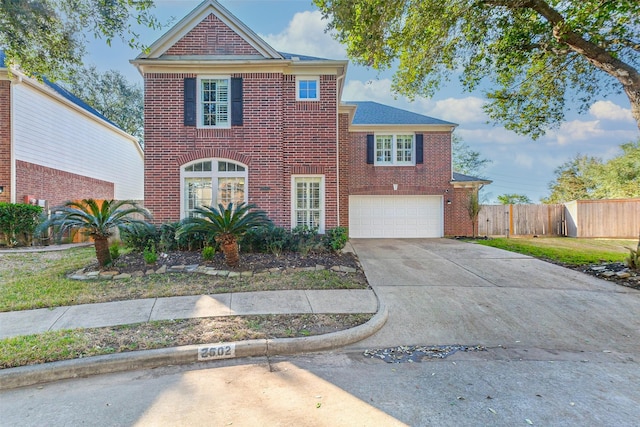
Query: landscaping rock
(122, 276)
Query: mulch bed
(132, 262)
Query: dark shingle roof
(467, 178)
(372, 113)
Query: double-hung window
(307, 88)
(214, 102)
(394, 150)
(210, 182)
(308, 202)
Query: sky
(518, 164)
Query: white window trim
(199, 101)
(308, 78)
(321, 228)
(214, 174)
(394, 149)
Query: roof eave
(439, 127)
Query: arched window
(208, 182)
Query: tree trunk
(600, 58)
(101, 244)
(230, 249)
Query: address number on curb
(212, 352)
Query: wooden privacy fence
(522, 220)
(582, 218)
(604, 218)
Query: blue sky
(519, 165)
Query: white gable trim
(197, 15)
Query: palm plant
(226, 224)
(98, 220)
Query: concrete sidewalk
(136, 311)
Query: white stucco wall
(52, 132)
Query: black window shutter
(236, 101)
(190, 101)
(370, 149)
(419, 149)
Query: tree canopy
(585, 177)
(539, 56)
(47, 37)
(513, 199)
(113, 95)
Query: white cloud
(496, 135)
(305, 35)
(373, 90)
(607, 110)
(524, 160)
(460, 110)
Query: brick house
(229, 119)
(54, 147)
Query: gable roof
(373, 113)
(189, 22)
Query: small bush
(305, 240)
(208, 253)
(139, 238)
(114, 250)
(18, 222)
(150, 255)
(336, 238)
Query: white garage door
(395, 216)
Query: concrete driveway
(442, 291)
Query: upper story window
(394, 150)
(307, 88)
(214, 102)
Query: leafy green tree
(575, 180)
(466, 160)
(514, 199)
(112, 95)
(619, 178)
(538, 55)
(584, 177)
(47, 37)
(98, 220)
(226, 224)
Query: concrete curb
(47, 372)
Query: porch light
(1, 189)
(448, 201)
(395, 187)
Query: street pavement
(561, 348)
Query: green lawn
(566, 250)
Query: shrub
(18, 222)
(336, 238)
(114, 250)
(305, 239)
(150, 255)
(139, 238)
(208, 253)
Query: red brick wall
(345, 167)
(457, 221)
(279, 137)
(5, 140)
(57, 186)
(211, 37)
(430, 178)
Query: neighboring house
(54, 147)
(230, 119)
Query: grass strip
(573, 252)
(77, 343)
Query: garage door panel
(395, 216)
